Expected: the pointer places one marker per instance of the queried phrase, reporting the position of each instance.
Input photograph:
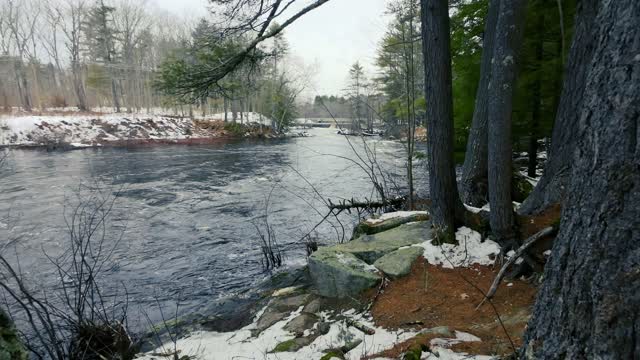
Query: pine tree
(101, 43)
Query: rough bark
(78, 86)
(437, 65)
(473, 184)
(589, 304)
(501, 91)
(551, 187)
(23, 85)
(114, 94)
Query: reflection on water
(187, 210)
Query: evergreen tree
(101, 43)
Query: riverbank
(390, 293)
(76, 131)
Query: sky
(330, 38)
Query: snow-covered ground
(470, 250)
(93, 130)
(395, 215)
(241, 344)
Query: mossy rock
(293, 345)
(398, 263)
(414, 352)
(520, 188)
(333, 354)
(285, 346)
(370, 248)
(372, 226)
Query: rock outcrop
(388, 221)
(336, 273)
(398, 263)
(347, 269)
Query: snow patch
(241, 345)
(439, 348)
(394, 215)
(470, 250)
(476, 210)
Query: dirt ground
(433, 296)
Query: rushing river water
(185, 213)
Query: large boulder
(370, 248)
(398, 263)
(340, 274)
(388, 221)
(345, 270)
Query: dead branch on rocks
(352, 204)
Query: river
(185, 214)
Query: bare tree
(78, 321)
(21, 22)
(74, 12)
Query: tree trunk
(226, 106)
(474, 183)
(23, 86)
(78, 86)
(551, 188)
(442, 177)
(114, 94)
(503, 79)
(589, 303)
(536, 97)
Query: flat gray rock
(340, 274)
(300, 323)
(398, 263)
(374, 226)
(372, 247)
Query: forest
(523, 114)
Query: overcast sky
(333, 36)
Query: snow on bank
(241, 345)
(97, 129)
(470, 250)
(247, 118)
(395, 215)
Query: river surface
(185, 215)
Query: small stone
(313, 307)
(300, 323)
(324, 327)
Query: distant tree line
(60, 53)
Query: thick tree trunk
(442, 177)
(501, 91)
(551, 188)
(589, 304)
(474, 184)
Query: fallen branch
(353, 204)
(360, 326)
(530, 241)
